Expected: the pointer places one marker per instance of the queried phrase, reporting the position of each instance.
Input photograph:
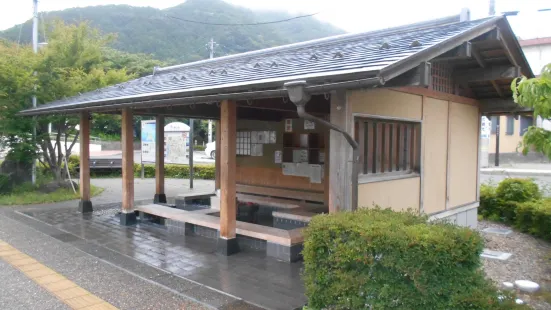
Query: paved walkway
(520, 169)
(144, 266)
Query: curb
(517, 173)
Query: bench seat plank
(281, 192)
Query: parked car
(210, 150)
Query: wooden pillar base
(85, 206)
(227, 247)
(159, 198)
(128, 219)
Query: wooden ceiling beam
(487, 74)
(476, 55)
(498, 89)
(420, 76)
(501, 106)
(462, 52)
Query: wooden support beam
(420, 76)
(217, 156)
(85, 205)
(160, 196)
(478, 57)
(127, 217)
(340, 155)
(464, 51)
(227, 243)
(501, 106)
(487, 74)
(498, 89)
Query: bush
(205, 172)
(489, 204)
(5, 183)
(199, 148)
(534, 217)
(379, 259)
(519, 190)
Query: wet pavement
(187, 265)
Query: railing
(70, 138)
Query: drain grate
(495, 255)
(498, 231)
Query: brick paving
(248, 275)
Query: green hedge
(5, 183)
(500, 204)
(534, 217)
(205, 172)
(380, 259)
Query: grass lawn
(26, 197)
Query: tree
(535, 93)
(73, 62)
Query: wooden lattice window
(388, 146)
(442, 80)
(243, 146)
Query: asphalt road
(543, 181)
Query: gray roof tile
(365, 52)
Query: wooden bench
(282, 193)
(274, 235)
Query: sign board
(148, 141)
(175, 145)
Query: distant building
(538, 54)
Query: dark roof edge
(393, 70)
(525, 66)
(332, 39)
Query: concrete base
(127, 219)
(85, 206)
(227, 247)
(466, 216)
(159, 198)
(284, 253)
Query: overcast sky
(350, 15)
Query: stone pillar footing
(85, 206)
(227, 247)
(159, 198)
(127, 219)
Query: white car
(210, 150)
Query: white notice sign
(278, 157)
(288, 168)
(315, 173)
(257, 149)
(309, 125)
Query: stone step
(497, 231)
(490, 254)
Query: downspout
(298, 95)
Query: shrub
(177, 171)
(379, 259)
(488, 201)
(534, 217)
(5, 183)
(519, 190)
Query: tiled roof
(317, 60)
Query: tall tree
(73, 62)
(535, 93)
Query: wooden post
(227, 243)
(127, 217)
(85, 205)
(340, 156)
(217, 157)
(160, 196)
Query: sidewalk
(521, 169)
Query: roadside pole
(191, 153)
(35, 49)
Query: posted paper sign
(316, 173)
(288, 125)
(309, 125)
(278, 155)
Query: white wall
(537, 56)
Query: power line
(241, 24)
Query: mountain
(163, 34)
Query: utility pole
(211, 50)
(492, 10)
(35, 49)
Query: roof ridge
(415, 26)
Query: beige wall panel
(386, 102)
(435, 137)
(463, 154)
(400, 194)
(507, 144)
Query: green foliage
(5, 183)
(205, 172)
(534, 217)
(380, 259)
(150, 31)
(536, 94)
(27, 194)
(518, 190)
